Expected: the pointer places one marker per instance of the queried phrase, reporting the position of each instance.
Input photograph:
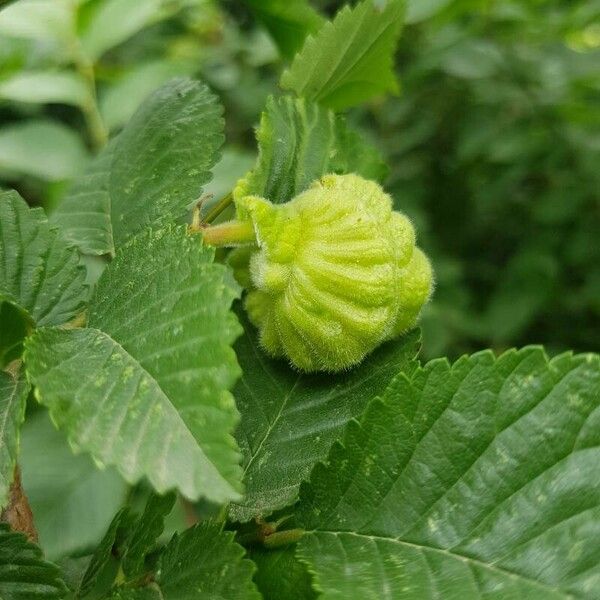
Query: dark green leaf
(350, 59)
(13, 395)
(146, 532)
(145, 387)
(116, 532)
(476, 480)
(290, 420)
(16, 326)
(24, 574)
(163, 157)
(204, 562)
(39, 272)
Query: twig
(18, 512)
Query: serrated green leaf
(205, 562)
(13, 396)
(288, 22)
(350, 59)
(145, 533)
(145, 386)
(39, 87)
(290, 419)
(279, 574)
(24, 574)
(39, 272)
(42, 148)
(163, 157)
(150, 173)
(476, 480)
(72, 500)
(83, 216)
(202, 562)
(300, 141)
(116, 532)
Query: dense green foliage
(165, 456)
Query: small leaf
(479, 479)
(290, 419)
(83, 216)
(350, 59)
(145, 533)
(163, 157)
(116, 532)
(39, 272)
(13, 396)
(296, 140)
(45, 87)
(115, 21)
(205, 562)
(41, 148)
(145, 386)
(25, 574)
(288, 22)
(299, 142)
(72, 500)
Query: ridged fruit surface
(336, 273)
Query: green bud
(335, 274)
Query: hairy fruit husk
(336, 273)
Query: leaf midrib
(446, 553)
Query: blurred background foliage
(493, 143)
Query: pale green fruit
(335, 274)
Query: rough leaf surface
(350, 59)
(24, 574)
(39, 271)
(204, 562)
(145, 386)
(84, 213)
(290, 419)
(476, 480)
(163, 157)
